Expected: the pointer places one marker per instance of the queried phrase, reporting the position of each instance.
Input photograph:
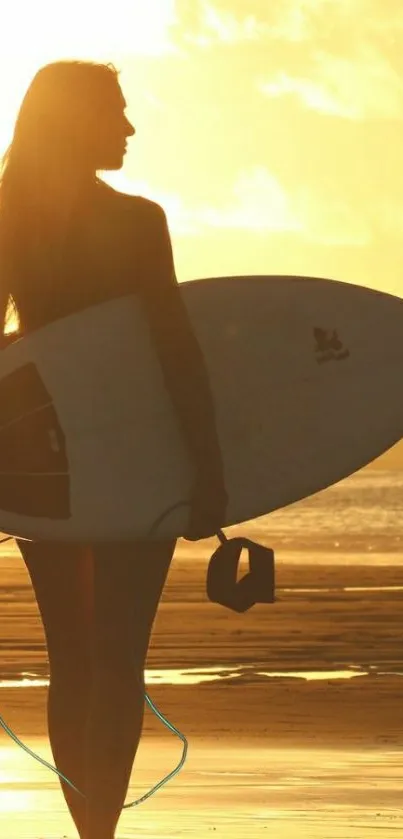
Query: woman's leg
(61, 576)
(128, 583)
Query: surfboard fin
(257, 586)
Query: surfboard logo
(328, 345)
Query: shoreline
(365, 711)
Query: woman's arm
(179, 353)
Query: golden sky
(270, 132)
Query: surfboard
(306, 375)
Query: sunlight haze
(270, 132)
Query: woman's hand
(209, 504)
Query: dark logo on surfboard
(328, 346)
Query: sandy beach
(292, 711)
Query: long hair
(53, 136)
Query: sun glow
(85, 31)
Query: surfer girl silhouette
(67, 241)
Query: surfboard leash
(257, 586)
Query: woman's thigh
(129, 578)
(62, 579)
(98, 603)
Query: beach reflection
(282, 793)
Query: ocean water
(361, 513)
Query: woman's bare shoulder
(136, 204)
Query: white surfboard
(307, 378)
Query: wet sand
(226, 790)
(317, 755)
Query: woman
(67, 241)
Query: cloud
(298, 21)
(209, 23)
(359, 87)
(292, 21)
(338, 43)
(312, 94)
(262, 204)
(216, 25)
